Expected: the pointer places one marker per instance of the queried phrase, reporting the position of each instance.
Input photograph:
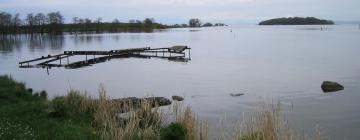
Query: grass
(78, 116)
(30, 113)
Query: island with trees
(297, 21)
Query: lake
(282, 63)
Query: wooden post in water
(60, 61)
(189, 53)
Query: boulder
(138, 102)
(330, 86)
(177, 98)
(236, 94)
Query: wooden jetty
(174, 53)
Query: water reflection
(35, 43)
(86, 39)
(10, 43)
(42, 42)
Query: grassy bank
(28, 115)
(25, 114)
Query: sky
(180, 11)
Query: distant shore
(297, 21)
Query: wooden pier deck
(171, 53)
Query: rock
(137, 102)
(236, 94)
(177, 98)
(330, 86)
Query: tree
(98, 20)
(88, 21)
(149, 21)
(194, 22)
(208, 24)
(5, 19)
(116, 21)
(40, 19)
(132, 21)
(75, 20)
(5, 22)
(30, 19)
(16, 21)
(55, 18)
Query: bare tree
(30, 19)
(98, 20)
(40, 19)
(5, 19)
(75, 20)
(194, 22)
(16, 21)
(116, 21)
(55, 18)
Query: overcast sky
(179, 11)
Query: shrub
(43, 94)
(174, 131)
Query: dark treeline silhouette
(296, 21)
(195, 22)
(53, 23)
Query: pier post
(60, 61)
(189, 53)
(68, 60)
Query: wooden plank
(41, 58)
(130, 50)
(55, 59)
(162, 52)
(178, 48)
(87, 52)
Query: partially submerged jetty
(174, 53)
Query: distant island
(297, 21)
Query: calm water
(285, 63)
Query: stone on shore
(330, 86)
(236, 94)
(137, 102)
(177, 98)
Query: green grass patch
(28, 115)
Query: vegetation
(296, 21)
(195, 22)
(53, 23)
(27, 115)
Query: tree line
(195, 22)
(53, 23)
